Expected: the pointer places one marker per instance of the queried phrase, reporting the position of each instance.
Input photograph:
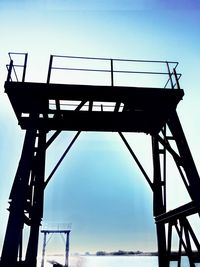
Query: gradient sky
(98, 188)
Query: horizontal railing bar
(80, 69)
(141, 72)
(75, 57)
(119, 59)
(146, 61)
(55, 231)
(115, 71)
(15, 53)
(21, 66)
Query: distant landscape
(125, 253)
(174, 254)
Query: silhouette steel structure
(111, 98)
(65, 232)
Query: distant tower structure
(66, 232)
(118, 104)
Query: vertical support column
(25, 65)
(158, 205)
(50, 68)
(67, 249)
(170, 75)
(180, 244)
(169, 242)
(18, 203)
(44, 248)
(112, 73)
(21, 247)
(36, 212)
(10, 71)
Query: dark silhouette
(151, 110)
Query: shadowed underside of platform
(91, 108)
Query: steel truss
(26, 198)
(178, 217)
(27, 193)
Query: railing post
(50, 67)
(25, 64)
(176, 78)
(10, 70)
(112, 77)
(170, 75)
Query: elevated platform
(107, 96)
(92, 94)
(91, 108)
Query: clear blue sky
(98, 188)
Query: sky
(98, 187)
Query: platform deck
(91, 108)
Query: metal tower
(118, 103)
(46, 232)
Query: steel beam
(158, 203)
(36, 212)
(18, 202)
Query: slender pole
(25, 64)
(9, 71)
(44, 248)
(158, 205)
(164, 171)
(20, 247)
(170, 75)
(67, 250)
(112, 77)
(176, 78)
(50, 68)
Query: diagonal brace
(61, 159)
(136, 160)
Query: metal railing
(112, 72)
(17, 72)
(114, 67)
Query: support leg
(18, 203)
(158, 204)
(36, 212)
